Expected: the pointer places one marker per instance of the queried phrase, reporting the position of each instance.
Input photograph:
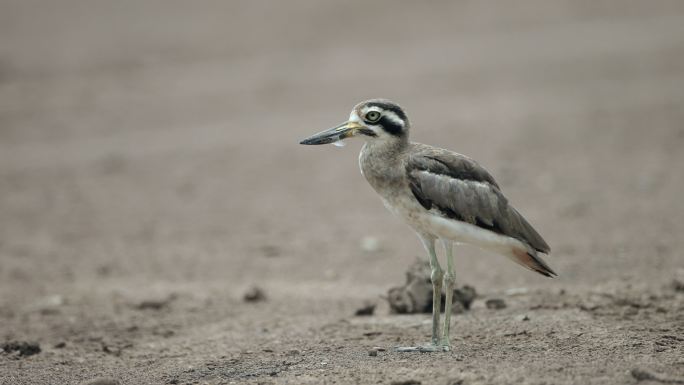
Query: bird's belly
(432, 222)
(410, 211)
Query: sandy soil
(150, 175)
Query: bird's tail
(531, 260)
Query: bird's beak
(344, 130)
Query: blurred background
(151, 147)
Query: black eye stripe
(390, 126)
(390, 107)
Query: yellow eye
(373, 116)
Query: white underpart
(433, 223)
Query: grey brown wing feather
(461, 189)
(444, 162)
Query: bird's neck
(386, 148)
(381, 163)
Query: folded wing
(461, 189)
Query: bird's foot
(428, 348)
(445, 344)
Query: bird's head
(374, 120)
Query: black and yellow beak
(344, 130)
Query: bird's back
(460, 189)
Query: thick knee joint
(437, 276)
(449, 279)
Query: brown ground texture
(150, 175)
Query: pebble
(367, 309)
(254, 294)
(23, 348)
(370, 244)
(495, 303)
(155, 303)
(517, 291)
(373, 353)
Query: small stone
(164, 333)
(370, 244)
(101, 381)
(457, 308)
(48, 305)
(400, 301)
(465, 296)
(416, 295)
(495, 303)
(372, 334)
(373, 353)
(155, 303)
(406, 382)
(254, 294)
(24, 348)
(524, 317)
(641, 375)
(367, 309)
(60, 345)
(516, 291)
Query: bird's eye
(372, 116)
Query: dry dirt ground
(150, 174)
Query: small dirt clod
(24, 348)
(254, 294)
(367, 309)
(495, 303)
(155, 303)
(645, 375)
(416, 295)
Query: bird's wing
(463, 190)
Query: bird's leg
(449, 279)
(436, 276)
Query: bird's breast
(386, 176)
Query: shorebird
(442, 195)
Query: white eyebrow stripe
(389, 114)
(393, 117)
(366, 109)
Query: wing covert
(461, 189)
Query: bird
(442, 195)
